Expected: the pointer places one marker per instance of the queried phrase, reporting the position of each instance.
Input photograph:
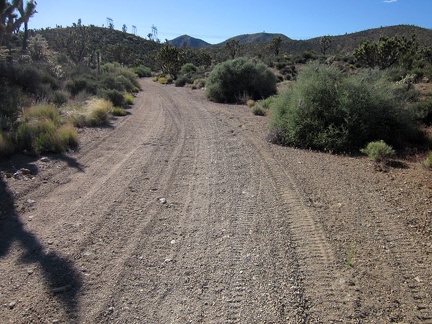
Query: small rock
(50, 242)
(44, 159)
(12, 305)
(163, 201)
(30, 271)
(25, 171)
(31, 201)
(18, 175)
(173, 242)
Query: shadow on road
(61, 277)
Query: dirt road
(184, 213)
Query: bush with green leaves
(129, 99)
(59, 98)
(238, 80)
(41, 130)
(188, 68)
(329, 110)
(378, 151)
(142, 71)
(115, 96)
(181, 81)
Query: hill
(114, 45)
(344, 44)
(186, 40)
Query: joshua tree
(325, 43)
(26, 13)
(275, 44)
(233, 46)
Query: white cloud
(389, 1)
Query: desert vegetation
(335, 94)
(49, 87)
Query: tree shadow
(71, 162)
(62, 279)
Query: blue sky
(215, 21)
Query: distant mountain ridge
(256, 38)
(189, 41)
(340, 43)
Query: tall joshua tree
(26, 13)
(9, 21)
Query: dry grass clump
(41, 129)
(95, 112)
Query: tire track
(322, 281)
(412, 270)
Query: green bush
(10, 102)
(41, 130)
(163, 80)
(332, 111)
(423, 111)
(83, 83)
(258, 111)
(37, 81)
(142, 71)
(188, 68)
(181, 81)
(428, 160)
(116, 111)
(116, 97)
(129, 99)
(378, 151)
(199, 83)
(238, 80)
(59, 98)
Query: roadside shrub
(250, 103)
(332, 111)
(116, 97)
(10, 102)
(97, 112)
(267, 102)
(423, 111)
(379, 152)
(142, 71)
(181, 81)
(199, 83)
(116, 111)
(43, 111)
(163, 80)
(258, 111)
(37, 81)
(41, 130)
(129, 99)
(81, 84)
(188, 68)
(240, 79)
(67, 136)
(428, 161)
(59, 98)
